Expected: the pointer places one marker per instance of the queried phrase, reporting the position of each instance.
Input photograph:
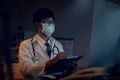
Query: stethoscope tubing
(34, 49)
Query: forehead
(48, 19)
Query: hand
(72, 65)
(70, 68)
(61, 55)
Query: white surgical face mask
(48, 29)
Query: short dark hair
(42, 13)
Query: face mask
(48, 29)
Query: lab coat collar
(34, 39)
(38, 39)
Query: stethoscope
(35, 58)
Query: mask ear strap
(42, 28)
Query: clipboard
(62, 64)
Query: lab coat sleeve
(60, 46)
(26, 64)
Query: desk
(96, 73)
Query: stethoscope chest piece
(35, 58)
(54, 50)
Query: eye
(49, 22)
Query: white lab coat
(34, 65)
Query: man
(41, 51)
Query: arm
(27, 66)
(59, 56)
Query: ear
(38, 26)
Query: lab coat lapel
(39, 49)
(52, 41)
(42, 52)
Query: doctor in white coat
(33, 58)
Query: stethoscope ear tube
(33, 58)
(33, 47)
(56, 48)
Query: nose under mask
(48, 29)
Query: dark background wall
(73, 20)
(93, 24)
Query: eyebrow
(48, 21)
